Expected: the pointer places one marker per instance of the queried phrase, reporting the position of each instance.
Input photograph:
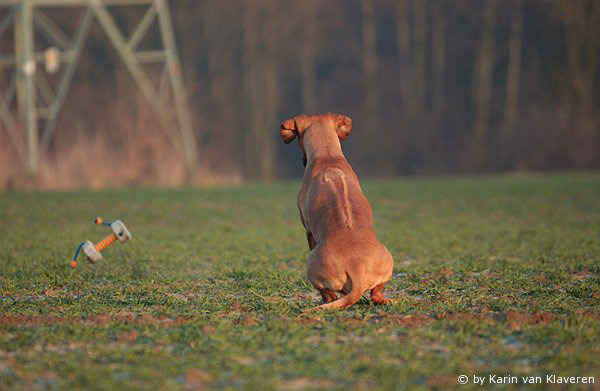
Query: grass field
(493, 276)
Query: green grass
(493, 275)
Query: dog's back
(334, 201)
(348, 257)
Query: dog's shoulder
(332, 173)
(324, 164)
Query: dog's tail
(356, 292)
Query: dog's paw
(382, 301)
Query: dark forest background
(433, 87)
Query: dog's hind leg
(327, 295)
(356, 291)
(311, 241)
(377, 295)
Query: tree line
(433, 86)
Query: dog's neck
(321, 143)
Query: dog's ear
(288, 130)
(343, 126)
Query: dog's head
(297, 126)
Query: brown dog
(345, 255)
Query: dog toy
(92, 251)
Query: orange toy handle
(107, 241)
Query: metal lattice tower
(38, 103)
